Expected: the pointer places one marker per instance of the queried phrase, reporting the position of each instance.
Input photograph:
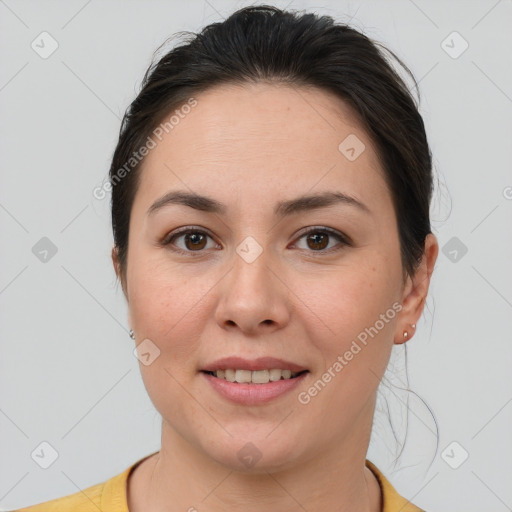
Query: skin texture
(249, 147)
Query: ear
(115, 261)
(415, 291)
(117, 269)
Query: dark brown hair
(264, 43)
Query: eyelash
(343, 239)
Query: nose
(253, 297)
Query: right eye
(194, 240)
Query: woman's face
(250, 283)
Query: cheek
(165, 308)
(351, 322)
(167, 305)
(344, 302)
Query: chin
(254, 454)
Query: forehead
(267, 137)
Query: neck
(184, 478)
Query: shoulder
(82, 501)
(392, 501)
(108, 496)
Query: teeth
(254, 377)
(260, 377)
(275, 375)
(243, 376)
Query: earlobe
(406, 335)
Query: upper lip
(261, 363)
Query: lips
(262, 363)
(253, 393)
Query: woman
(270, 207)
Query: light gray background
(67, 372)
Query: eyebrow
(282, 209)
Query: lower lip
(253, 394)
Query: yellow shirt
(110, 496)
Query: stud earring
(406, 334)
(132, 334)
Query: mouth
(242, 376)
(253, 381)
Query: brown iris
(198, 240)
(315, 237)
